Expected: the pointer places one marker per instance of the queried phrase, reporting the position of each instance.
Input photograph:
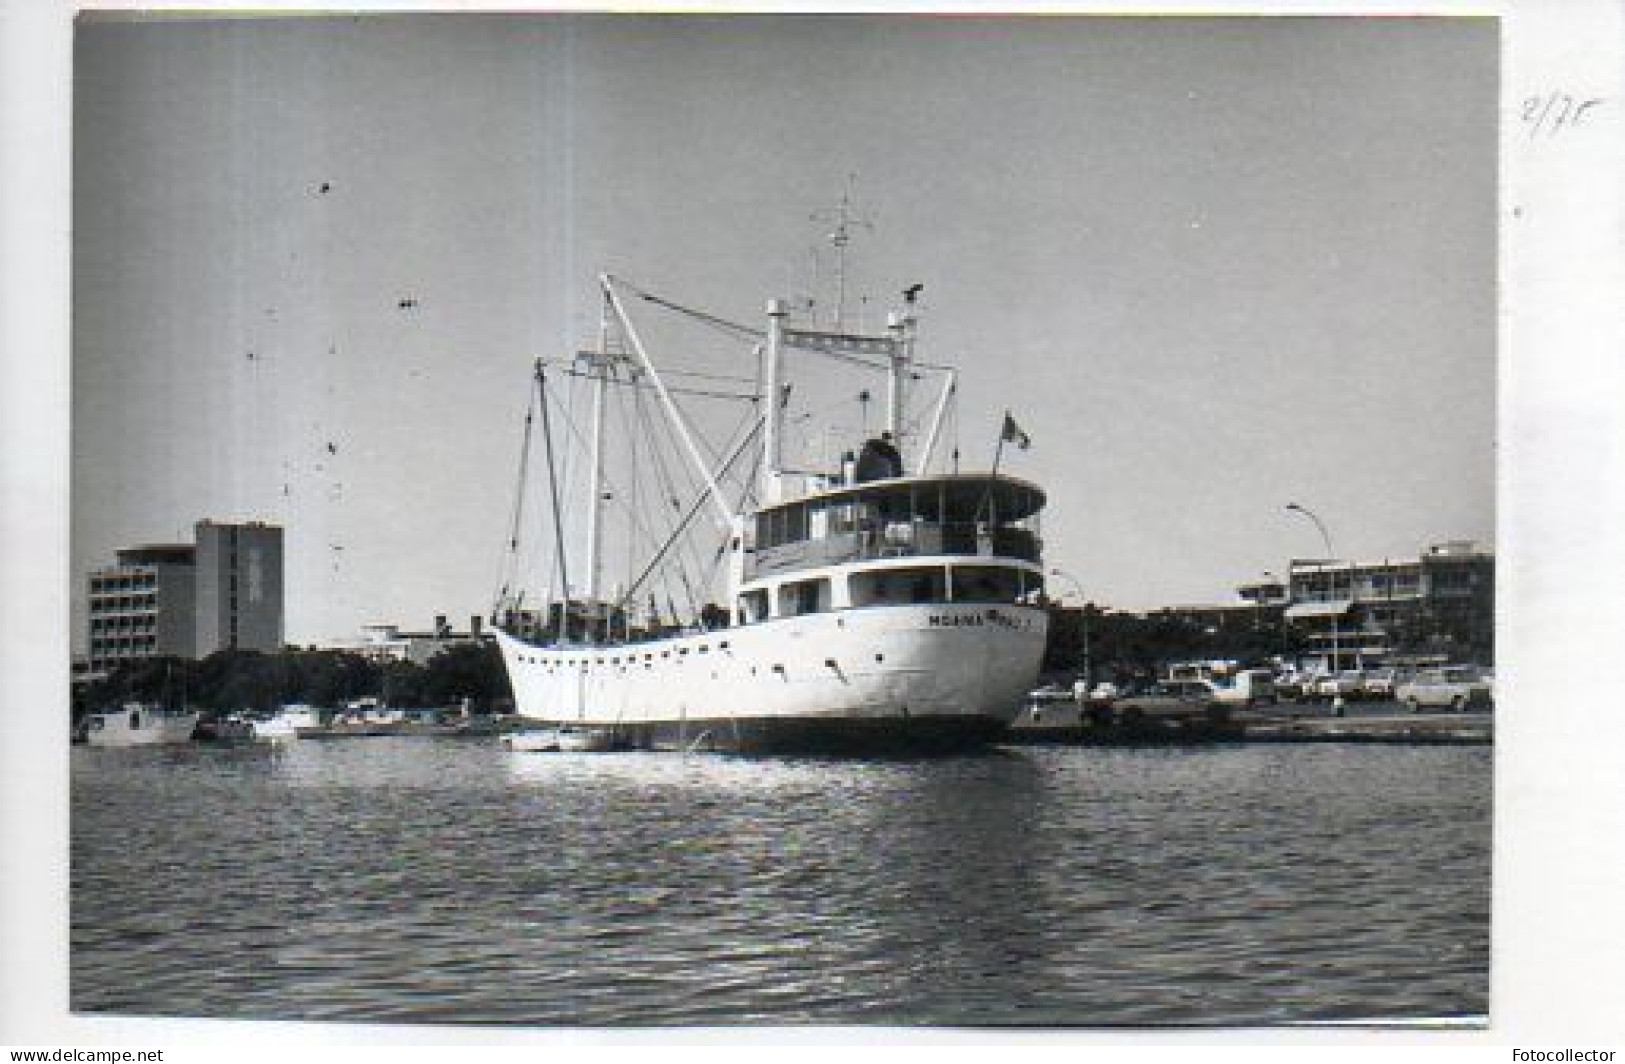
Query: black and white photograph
(894, 520)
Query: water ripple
(455, 882)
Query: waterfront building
(143, 606)
(387, 642)
(1438, 606)
(239, 587)
(188, 599)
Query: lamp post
(1270, 579)
(1077, 589)
(1331, 556)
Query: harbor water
(453, 881)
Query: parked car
(1457, 687)
(1104, 693)
(1182, 700)
(1294, 685)
(1247, 688)
(1345, 684)
(1381, 683)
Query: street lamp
(1324, 535)
(1077, 588)
(1263, 603)
(1331, 556)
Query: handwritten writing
(1547, 114)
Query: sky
(1211, 266)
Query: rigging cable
(664, 485)
(743, 331)
(688, 517)
(558, 516)
(723, 324)
(507, 571)
(580, 439)
(699, 392)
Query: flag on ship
(1012, 433)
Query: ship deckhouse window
(804, 596)
(795, 523)
(753, 607)
(894, 587)
(986, 583)
(781, 525)
(847, 516)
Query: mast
(842, 218)
(900, 327)
(598, 364)
(772, 457)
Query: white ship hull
(140, 726)
(913, 677)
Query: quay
(1287, 722)
(470, 729)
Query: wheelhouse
(964, 515)
(971, 538)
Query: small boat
(287, 724)
(229, 729)
(562, 740)
(140, 724)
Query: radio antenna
(842, 220)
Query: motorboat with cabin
(140, 724)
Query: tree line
(236, 680)
(1130, 648)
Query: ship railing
(899, 540)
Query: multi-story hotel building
(239, 587)
(144, 606)
(189, 599)
(1440, 605)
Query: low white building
(387, 642)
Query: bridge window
(753, 607)
(804, 596)
(855, 516)
(986, 583)
(894, 587)
(785, 524)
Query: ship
(884, 601)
